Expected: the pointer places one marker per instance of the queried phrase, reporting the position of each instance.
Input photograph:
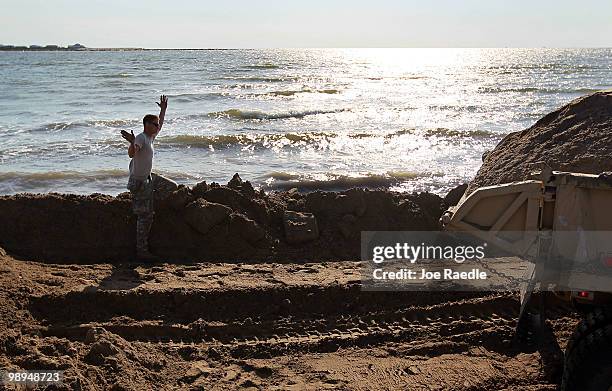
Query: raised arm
(163, 105)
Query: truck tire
(594, 319)
(588, 366)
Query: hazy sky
(308, 23)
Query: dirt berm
(209, 222)
(577, 137)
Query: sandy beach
(261, 326)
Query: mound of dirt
(208, 222)
(577, 137)
(264, 326)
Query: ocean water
(406, 119)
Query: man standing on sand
(140, 183)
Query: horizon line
(42, 47)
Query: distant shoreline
(27, 49)
(64, 49)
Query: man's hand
(163, 102)
(163, 105)
(127, 136)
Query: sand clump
(209, 222)
(577, 137)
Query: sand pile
(209, 222)
(265, 326)
(577, 137)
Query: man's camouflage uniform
(142, 206)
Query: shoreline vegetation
(80, 48)
(75, 47)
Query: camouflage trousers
(142, 206)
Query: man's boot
(146, 256)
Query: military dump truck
(561, 223)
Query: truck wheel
(588, 366)
(594, 319)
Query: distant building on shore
(76, 46)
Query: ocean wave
(261, 140)
(77, 103)
(406, 77)
(112, 123)
(413, 77)
(123, 83)
(268, 140)
(262, 79)
(262, 66)
(335, 182)
(459, 108)
(61, 175)
(280, 176)
(120, 75)
(206, 141)
(444, 133)
(259, 115)
(497, 90)
(557, 67)
(219, 141)
(193, 97)
(38, 178)
(50, 64)
(303, 91)
(222, 141)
